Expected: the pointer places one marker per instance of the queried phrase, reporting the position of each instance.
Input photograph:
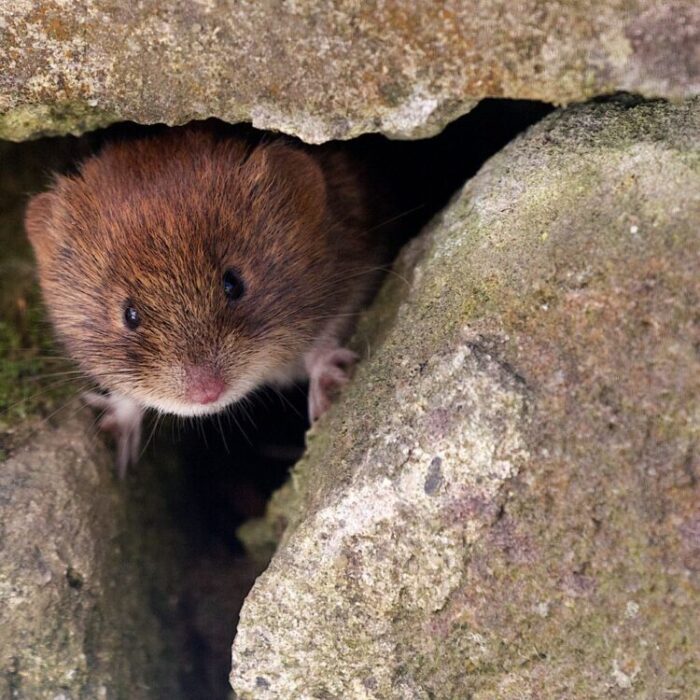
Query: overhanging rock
(328, 70)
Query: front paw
(329, 371)
(122, 419)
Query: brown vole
(183, 271)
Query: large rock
(506, 501)
(328, 70)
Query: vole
(184, 270)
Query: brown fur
(156, 222)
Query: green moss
(25, 349)
(26, 339)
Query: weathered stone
(328, 70)
(81, 584)
(505, 503)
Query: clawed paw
(122, 419)
(329, 371)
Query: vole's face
(183, 272)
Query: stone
(506, 500)
(82, 590)
(325, 71)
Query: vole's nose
(203, 384)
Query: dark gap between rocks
(230, 466)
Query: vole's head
(182, 270)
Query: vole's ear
(293, 176)
(39, 224)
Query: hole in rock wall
(229, 466)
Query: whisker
(286, 401)
(239, 426)
(150, 437)
(53, 386)
(221, 430)
(43, 422)
(247, 406)
(200, 426)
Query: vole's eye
(233, 285)
(132, 320)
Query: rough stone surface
(506, 501)
(82, 599)
(328, 70)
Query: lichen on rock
(328, 70)
(506, 498)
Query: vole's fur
(155, 223)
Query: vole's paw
(122, 419)
(329, 371)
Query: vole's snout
(203, 384)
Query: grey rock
(328, 70)
(505, 502)
(80, 579)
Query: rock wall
(328, 70)
(506, 501)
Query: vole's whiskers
(286, 401)
(32, 398)
(156, 422)
(231, 411)
(221, 432)
(42, 422)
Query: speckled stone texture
(82, 592)
(324, 70)
(505, 503)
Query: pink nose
(203, 385)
